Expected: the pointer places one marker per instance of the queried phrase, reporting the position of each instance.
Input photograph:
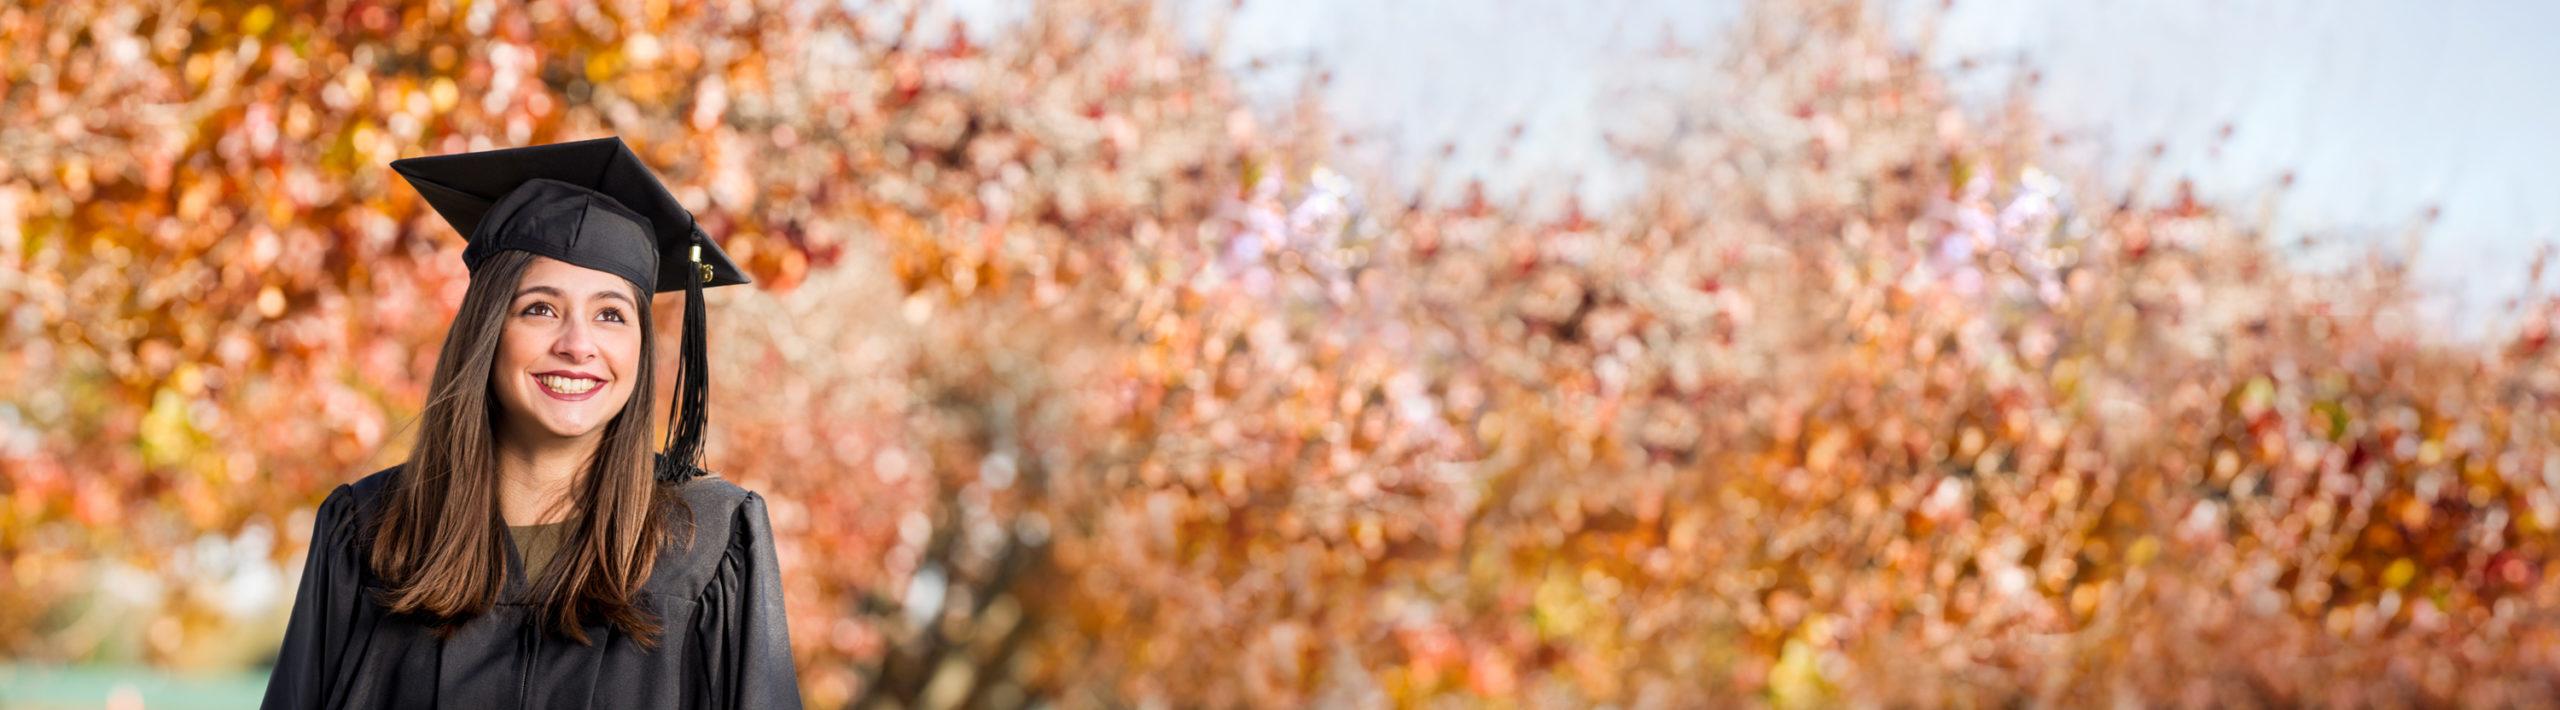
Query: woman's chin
(557, 424)
(577, 426)
(574, 432)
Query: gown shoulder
(738, 632)
(717, 522)
(374, 484)
(341, 518)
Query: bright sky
(2380, 108)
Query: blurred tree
(1070, 377)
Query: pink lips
(566, 397)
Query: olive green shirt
(537, 543)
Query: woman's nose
(575, 343)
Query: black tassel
(687, 418)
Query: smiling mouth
(568, 388)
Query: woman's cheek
(518, 347)
(625, 362)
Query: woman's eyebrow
(555, 293)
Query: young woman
(533, 552)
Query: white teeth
(567, 385)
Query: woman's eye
(610, 315)
(538, 309)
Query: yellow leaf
(1797, 681)
(258, 20)
(2143, 550)
(2399, 573)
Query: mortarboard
(594, 204)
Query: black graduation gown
(718, 601)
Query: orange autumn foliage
(1071, 376)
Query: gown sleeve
(741, 624)
(323, 607)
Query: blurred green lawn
(49, 687)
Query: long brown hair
(441, 540)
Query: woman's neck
(536, 476)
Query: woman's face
(569, 353)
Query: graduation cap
(591, 203)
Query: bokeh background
(1125, 353)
